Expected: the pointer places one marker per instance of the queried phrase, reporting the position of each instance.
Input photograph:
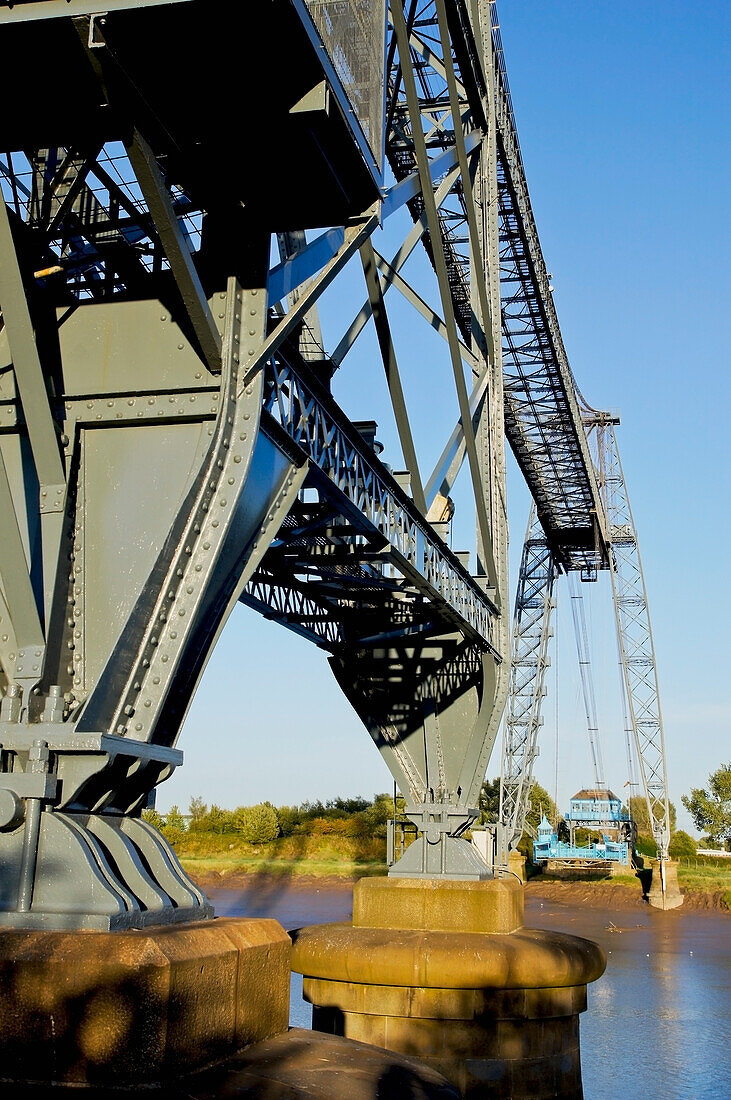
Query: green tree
(257, 824)
(682, 846)
(639, 814)
(489, 801)
(198, 811)
(174, 820)
(152, 817)
(539, 803)
(289, 818)
(376, 815)
(711, 810)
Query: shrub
(682, 846)
(327, 826)
(646, 846)
(198, 811)
(289, 818)
(174, 821)
(257, 824)
(152, 817)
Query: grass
(222, 854)
(350, 857)
(696, 874)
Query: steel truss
(162, 379)
(534, 603)
(531, 633)
(634, 629)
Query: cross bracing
(164, 378)
(534, 604)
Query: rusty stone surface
(138, 1007)
(495, 905)
(299, 1065)
(516, 864)
(528, 958)
(496, 1012)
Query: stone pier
(670, 897)
(446, 971)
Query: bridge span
(176, 202)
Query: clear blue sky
(622, 113)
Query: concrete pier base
(516, 864)
(138, 1008)
(446, 972)
(670, 897)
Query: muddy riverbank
(601, 895)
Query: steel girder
(534, 603)
(542, 415)
(170, 444)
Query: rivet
(156, 679)
(231, 481)
(180, 347)
(138, 726)
(147, 702)
(189, 589)
(164, 658)
(237, 458)
(181, 612)
(223, 502)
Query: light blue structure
(548, 846)
(594, 808)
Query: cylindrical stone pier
(445, 971)
(670, 897)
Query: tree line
(264, 822)
(360, 817)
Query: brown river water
(658, 1026)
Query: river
(658, 1026)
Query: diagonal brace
(176, 248)
(393, 378)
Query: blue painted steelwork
(596, 806)
(548, 846)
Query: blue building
(595, 809)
